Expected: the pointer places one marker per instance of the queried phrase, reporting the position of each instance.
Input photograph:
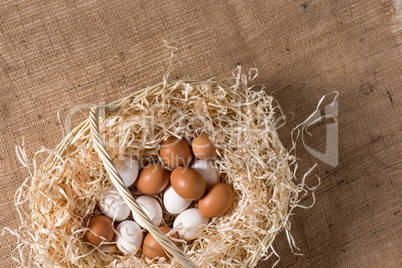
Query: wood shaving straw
(60, 196)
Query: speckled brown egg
(153, 179)
(152, 248)
(187, 183)
(176, 152)
(102, 226)
(203, 148)
(217, 199)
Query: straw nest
(63, 192)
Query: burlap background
(58, 54)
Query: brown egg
(176, 152)
(153, 179)
(152, 248)
(216, 201)
(187, 183)
(102, 226)
(203, 148)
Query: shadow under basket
(64, 191)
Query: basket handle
(122, 189)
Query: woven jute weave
(60, 55)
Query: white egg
(207, 170)
(174, 204)
(192, 223)
(130, 237)
(151, 207)
(113, 206)
(129, 173)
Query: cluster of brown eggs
(193, 178)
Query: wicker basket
(86, 163)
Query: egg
(113, 206)
(129, 238)
(151, 207)
(203, 148)
(153, 179)
(130, 171)
(217, 199)
(176, 152)
(101, 226)
(187, 183)
(152, 248)
(206, 169)
(173, 203)
(191, 222)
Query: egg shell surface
(101, 226)
(203, 148)
(176, 152)
(152, 248)
(187, 183)
(153, 179)
(151, 207)
(130, 237)
(173, 203)
(192, 223)
(129, 173)
(113, 206)
(207, 170)
(218, 198)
